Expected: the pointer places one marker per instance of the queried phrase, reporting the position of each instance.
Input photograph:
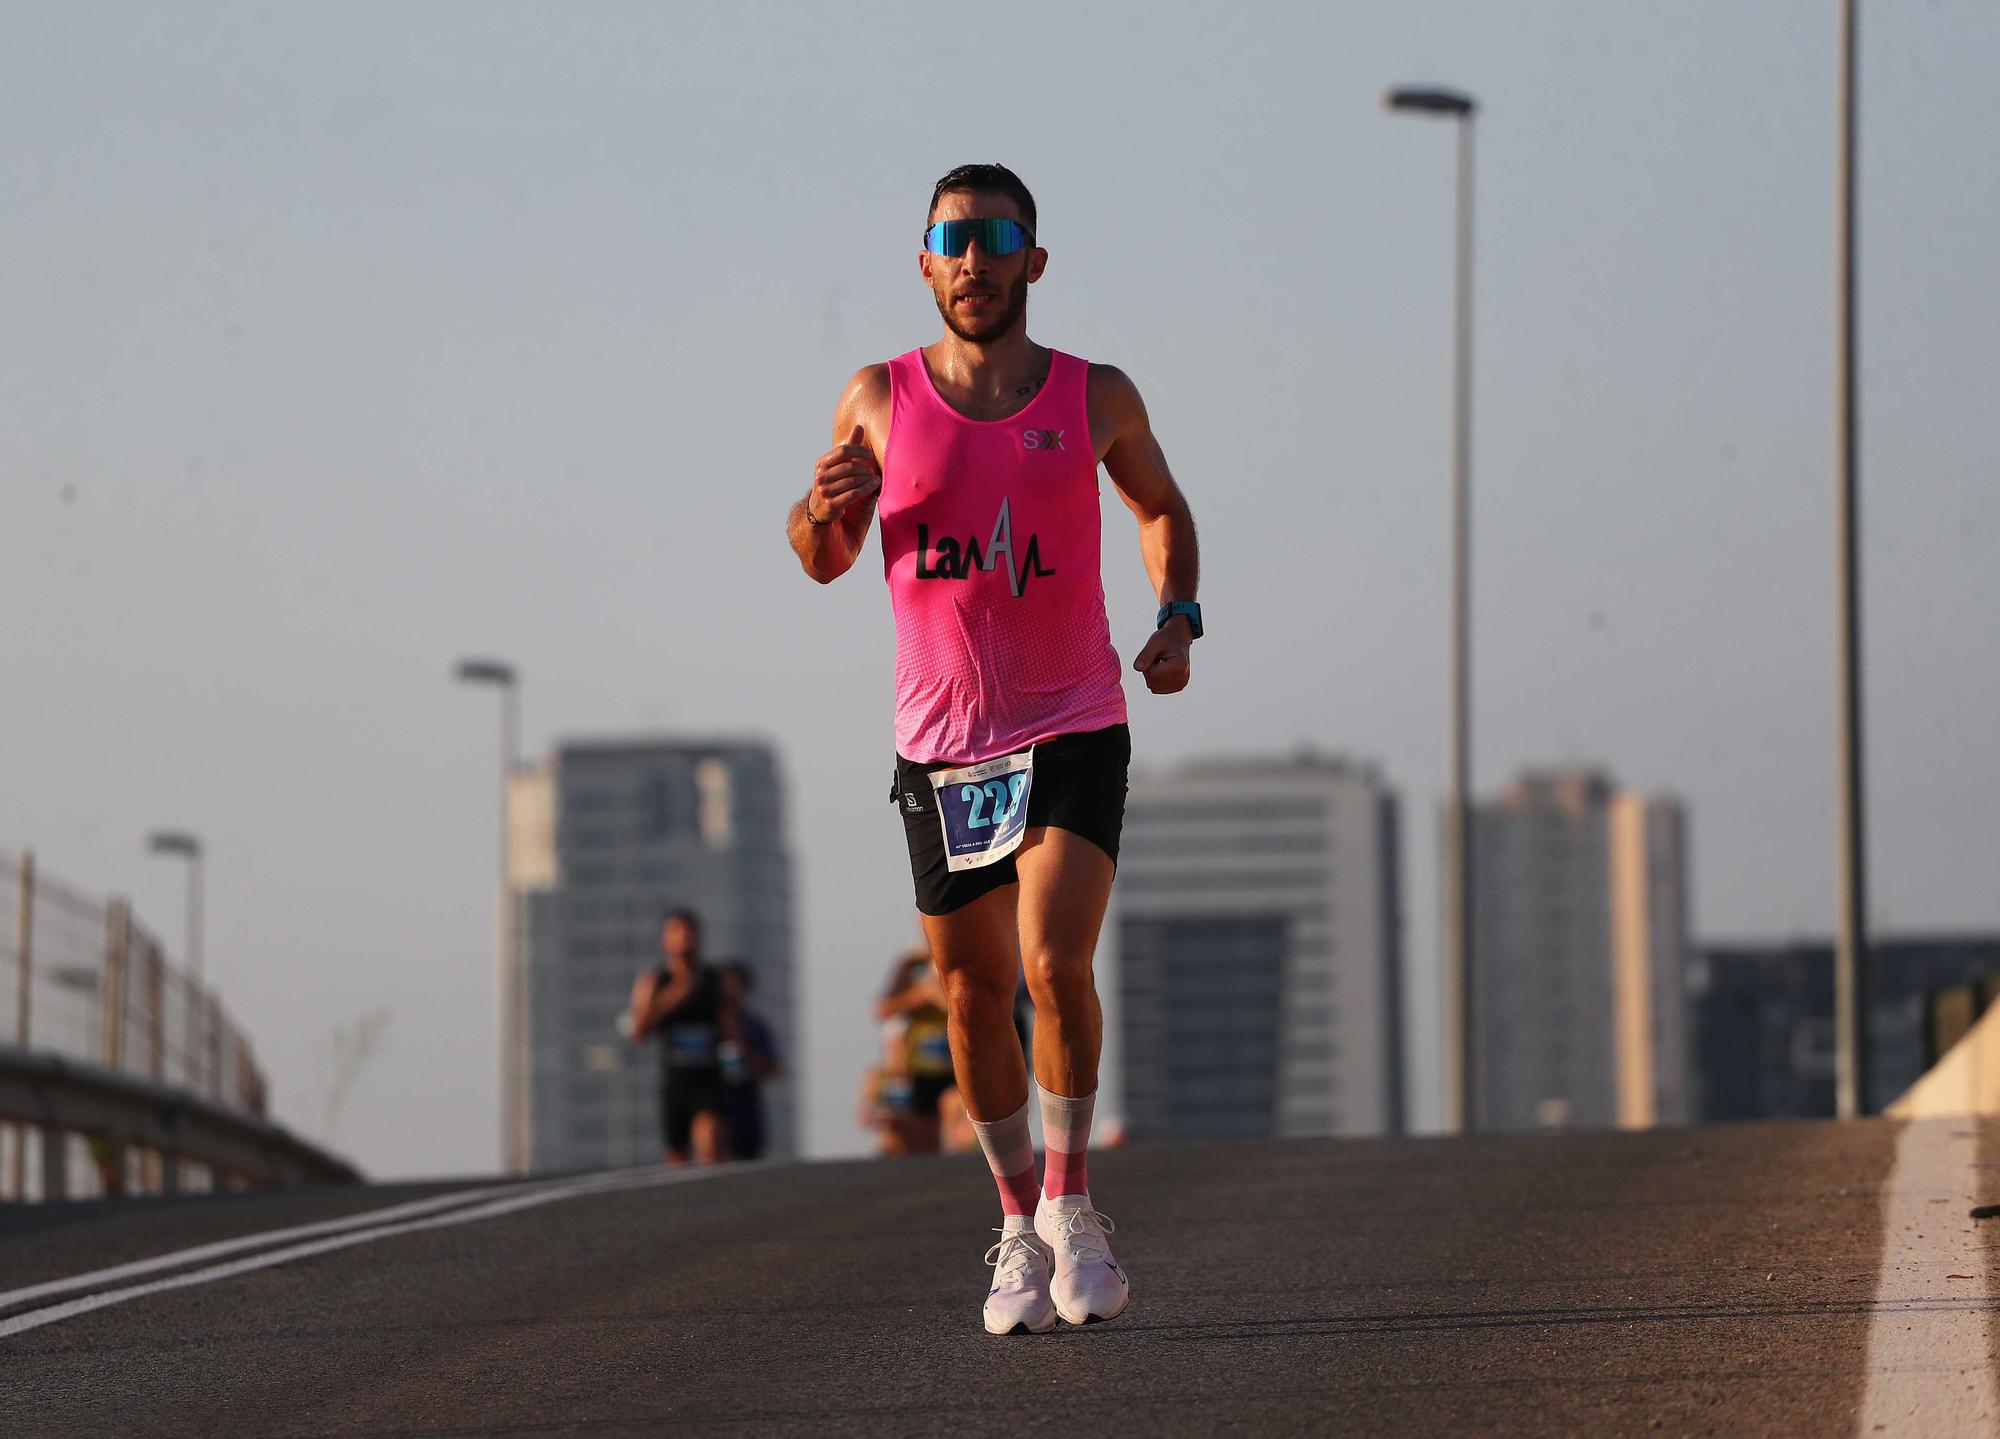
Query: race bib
(983, 808)
(934, 1053)
(930, 1049)
(690, 1046)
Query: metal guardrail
(120, 1114)
(113, 1057)
(83, 977)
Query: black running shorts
(925, 1090)
(685, 1093)
(1079, 786)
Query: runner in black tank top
(685, 1003)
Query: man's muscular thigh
(1065, 887)
(978, 944)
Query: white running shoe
(1088, 1286)
(1018, 1302)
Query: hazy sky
(339, 341)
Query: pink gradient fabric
(1066, 1136)
(991, 546)
(1010, 1154)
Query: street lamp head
(1425, 100)
(487, 672)
(173, 841)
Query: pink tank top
(990, 540)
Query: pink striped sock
(1010, 1154)
(1066, 1134)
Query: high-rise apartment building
(606, 837)
(1579, 955)
(1258, 915)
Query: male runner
(981, 452)
(687, 1003)
(747, 1063)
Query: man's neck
(993, 369)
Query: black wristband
(817, 524)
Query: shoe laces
(1082, 1234)
(1012, 1257)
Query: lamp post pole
(183, 845)
(1460, 1060)
(1850, 964)
(513, 1008)
(24, 958)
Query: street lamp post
(513, 1007)
(1850, 967)
(1460, 1071)
(182, 845)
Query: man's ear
(1038, 261)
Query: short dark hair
(985, 180)
(685, 915)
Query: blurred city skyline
(344, 345)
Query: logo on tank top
(1041, 439)
(959, 562)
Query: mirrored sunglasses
(995, 237)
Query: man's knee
(975, 999)
(1058, 981)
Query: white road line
(201, 1252)
(515, 1203)
(1927, 1360)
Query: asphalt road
(1716, 1281)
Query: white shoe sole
(1020, 1326)
(1085, 1316)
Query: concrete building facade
(1258, 915)
(1579, 956)
(607, 836)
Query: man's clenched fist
(1164, 660)
(844, 475)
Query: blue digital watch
(1180, 607)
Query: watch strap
(1189, 608)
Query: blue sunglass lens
(995, 237)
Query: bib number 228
(983, 808)
(1004, 797)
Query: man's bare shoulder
(869, 386)
(864, 400)
(1109, 380)
(1115, 406)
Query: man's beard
(992, 326)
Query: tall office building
(1579, 955)
(606, 837)
(1259, 952)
